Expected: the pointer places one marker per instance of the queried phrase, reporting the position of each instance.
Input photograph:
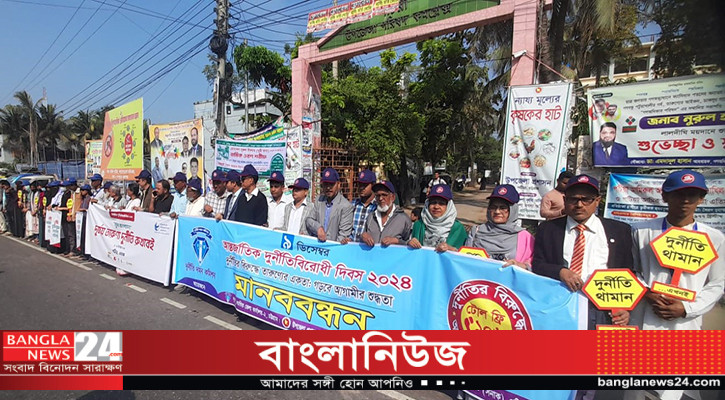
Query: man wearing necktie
(234, 187)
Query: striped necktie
(577, 259)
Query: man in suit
(252, 206)
(157, 143)
(297, 211)
(331, 216)
(605, 150)
(196, 148)
(234, 187)
(185, 152)
(570, 249)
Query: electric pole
(246, 97)
(218, 45)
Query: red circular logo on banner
(286, 322)
(128, 144)
(688, 178)
(502, 191)
(485, 305)
(108, 146)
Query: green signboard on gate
(410, 14)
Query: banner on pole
(636, 198)
(177, 147)
(52, 227)
(79, 229)
(534, 149)
(660, 123)
(122, 155)
(296, 282)
(94, 150)
(137, 242)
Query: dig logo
(98, 346)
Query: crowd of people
(569, 246)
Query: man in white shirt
(683, 191)
(278, 200)
(437, 180)
(195, 202)
(98, 192)
(180, 199)
(296, 212)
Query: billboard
(177, 147)
(122, 155)
(94, 150)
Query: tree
(12, 125)
(52, 129)
(30, 109)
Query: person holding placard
(683, 191)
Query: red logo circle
(583, 179)
(128, 144)
(688, 178)
(502, 191)
(286, 322)
(327, 173)
(297, 181)
(361, 175)
(440, 189)
(485, 305)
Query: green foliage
(263, 65)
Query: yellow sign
(474, 251)
(616, 328)
(673, 291)
(122, 154)
(611, 289)
(680, 249)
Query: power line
(30, 71)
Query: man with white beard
(388, 224)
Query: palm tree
(51, 127)
(30, 109)
(12, 125)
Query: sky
(90, 53)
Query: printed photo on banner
(122, 154)
(534, 150)
(661, 123)
(177, 147)
(637, 198)
(94, 149)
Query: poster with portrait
(177, 147)
(677, 122)
(94, 149)
(122, 154)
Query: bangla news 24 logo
(63, 346)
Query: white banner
(636, 198)
(137, 242)
(79, 229)
(534, 149)
(52, 227)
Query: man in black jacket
(570, 249)
(252, 206)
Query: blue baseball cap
(219, 175)
(23, 182)
(70, 182)
(443, 191)
(107, 185)
(195, 184)
(276, 176)
(684, 179)
(366, 176)
(144, 174)
(300, 183)
(86, 187)
(233, 176)
(54, 184)
(583, 180)
(96, 177)
(330, 175)
(384, 185)
(506, 192)
(179, 177)
(249, 170)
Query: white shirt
(379, 216)
(195, 208)
(596, 254)
(275, 211)
(295, 217)
(133, 203)
(250, 195)
(100, 195)
(708, 283)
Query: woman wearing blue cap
(500, 236)
(437, 226)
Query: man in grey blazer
(331, 215)
(297, 211)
